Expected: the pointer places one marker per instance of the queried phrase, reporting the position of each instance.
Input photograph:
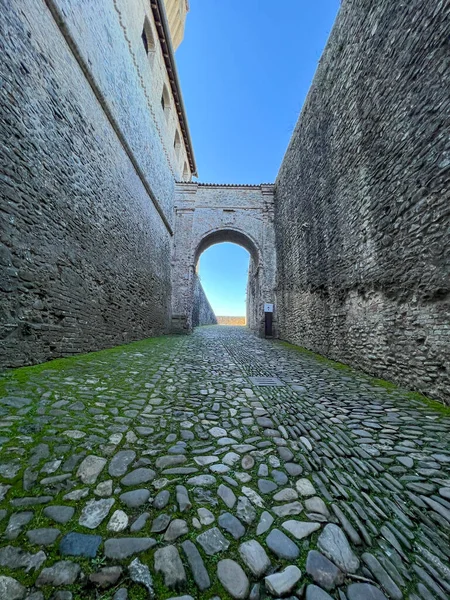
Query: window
(165, 101)
(177, 143)
(148, 39)
(186, 174)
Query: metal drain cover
(266, 381)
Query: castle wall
(362, 201)
(202, 312)
(87, 192)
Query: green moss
(327, 361)
(387, 385)
(61, 365)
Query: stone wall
(202, 313)
(362, 199)
(207, 214)
(86, 206)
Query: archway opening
(223, 270)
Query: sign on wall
(268, 307)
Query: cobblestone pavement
(159, 469)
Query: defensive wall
(362, 198)
(202, 313)
(89, 161)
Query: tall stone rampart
(202, 312)
(88, 179)
(362, 198)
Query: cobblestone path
(160, 470)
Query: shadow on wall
(242, 321)
(202, 312)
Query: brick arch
(208, 214)
(227, 234)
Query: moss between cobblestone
(387, 385)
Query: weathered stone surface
(160, 523)
(202, 480)
(140, 573)
(265, 523)
(227, 495)
(313, 592)
(280, 584)
(255, 557)
(95, 511)
(120, 462)
(333, 543)
(138, 476)
(11, 589)
(60, 514)
(281, 545)
(206, 516)
(245, 510)
(118, 521)
(16, 558)
(168, 562)
(106, 577)
(364, 591)
(383, 578)
(232, 525)
(135, 498)
(305, 487)
(90, 468)
(45, 536)
(119, 548)
(212, 541)
(300, 529)
(80, 544)
(197, 565)
(63, 572)
(285, 510)
(176, 529)
(233, 578)
(323, 571)
(17, 522)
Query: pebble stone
(168, 437)
(300, 529)
(334, 545)
(168, 562)
(94, 512)
(364, 591)
(212, 541)
(233, 578)
(313, 592)
(280, 584)
(281, 545)
(11, 589)
(323, 571)
(255, 557)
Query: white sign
(268, 307)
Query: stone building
(102, 226)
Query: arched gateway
(208, 214)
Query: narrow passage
(165, 469)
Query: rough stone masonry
(362, 198)
(102, 227)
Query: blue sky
(223, 272)
(245, 67)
